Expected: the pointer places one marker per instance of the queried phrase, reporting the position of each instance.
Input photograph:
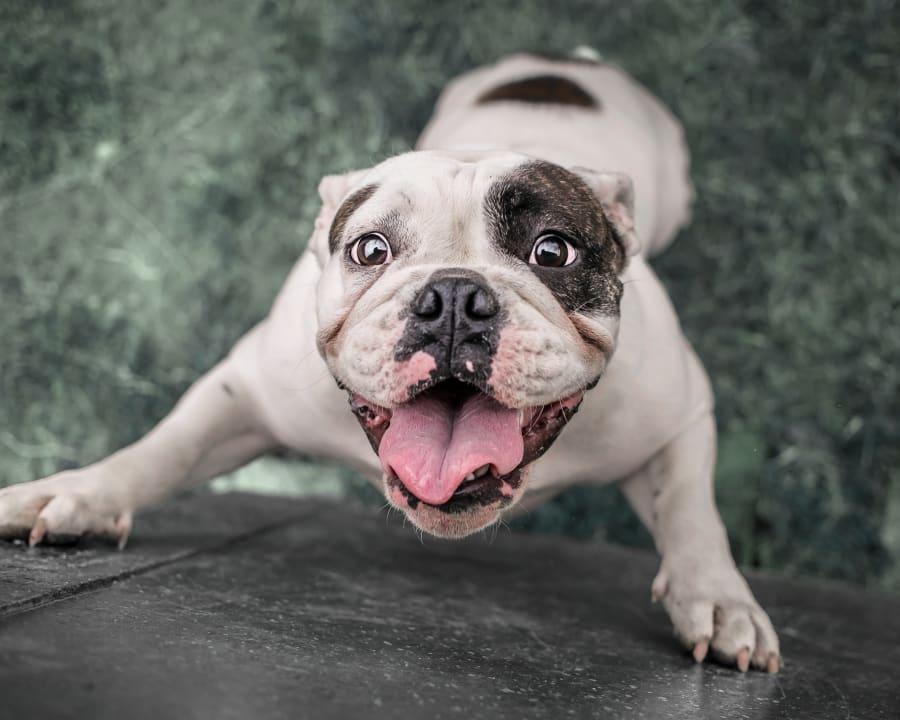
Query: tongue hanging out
(434, 442)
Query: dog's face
(466, 304)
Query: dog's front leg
(708, 601)
(214, 428)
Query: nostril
(428, 304)
(481, 304)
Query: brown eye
(371, 249)
(552, 251)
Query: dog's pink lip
(491, 490)
(376, 414)
(532, 416)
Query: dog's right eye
(371, 249)
(551, 250)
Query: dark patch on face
(227, 388)
(347, 208)
(541, 89)
(541, 197)
(463, 346)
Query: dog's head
(466, 304)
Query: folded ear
(615, 192)
(333, 190)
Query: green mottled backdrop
(158, 164)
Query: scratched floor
(157, 172)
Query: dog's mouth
(455, 448)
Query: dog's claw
(743, 659)
(123, 528)
(700, 650)
(659, 588)
(774, 664)
(37, 532)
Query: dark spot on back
(548, 89)
(540, 197)
(347, 208)
(227, 388)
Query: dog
(468, 298)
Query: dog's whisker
(302, 359)
(299, 389)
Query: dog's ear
(615, 192)
(333, 190)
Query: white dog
(468, 298)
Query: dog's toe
(69, 516)
(744, 637)
(734, 635)
(767, 655)
(19, 511)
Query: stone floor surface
(237, 606)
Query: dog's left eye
(371, 249)
(551, 250)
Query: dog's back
(573, 113)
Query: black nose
(457, 307)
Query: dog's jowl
(468, 299)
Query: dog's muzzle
(451, 445)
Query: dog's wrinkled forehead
(419, 193)
(485, 207)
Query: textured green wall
(158, 164)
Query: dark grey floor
(248, 607)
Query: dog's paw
(714, 611)
(60, 509)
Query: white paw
(62, 508)
(714, 610)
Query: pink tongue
(431, 448)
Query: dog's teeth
(477, 473)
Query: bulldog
(467, 299)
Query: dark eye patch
(347, 208)
(388, 225)
(542, 197)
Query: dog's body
(437, 320)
